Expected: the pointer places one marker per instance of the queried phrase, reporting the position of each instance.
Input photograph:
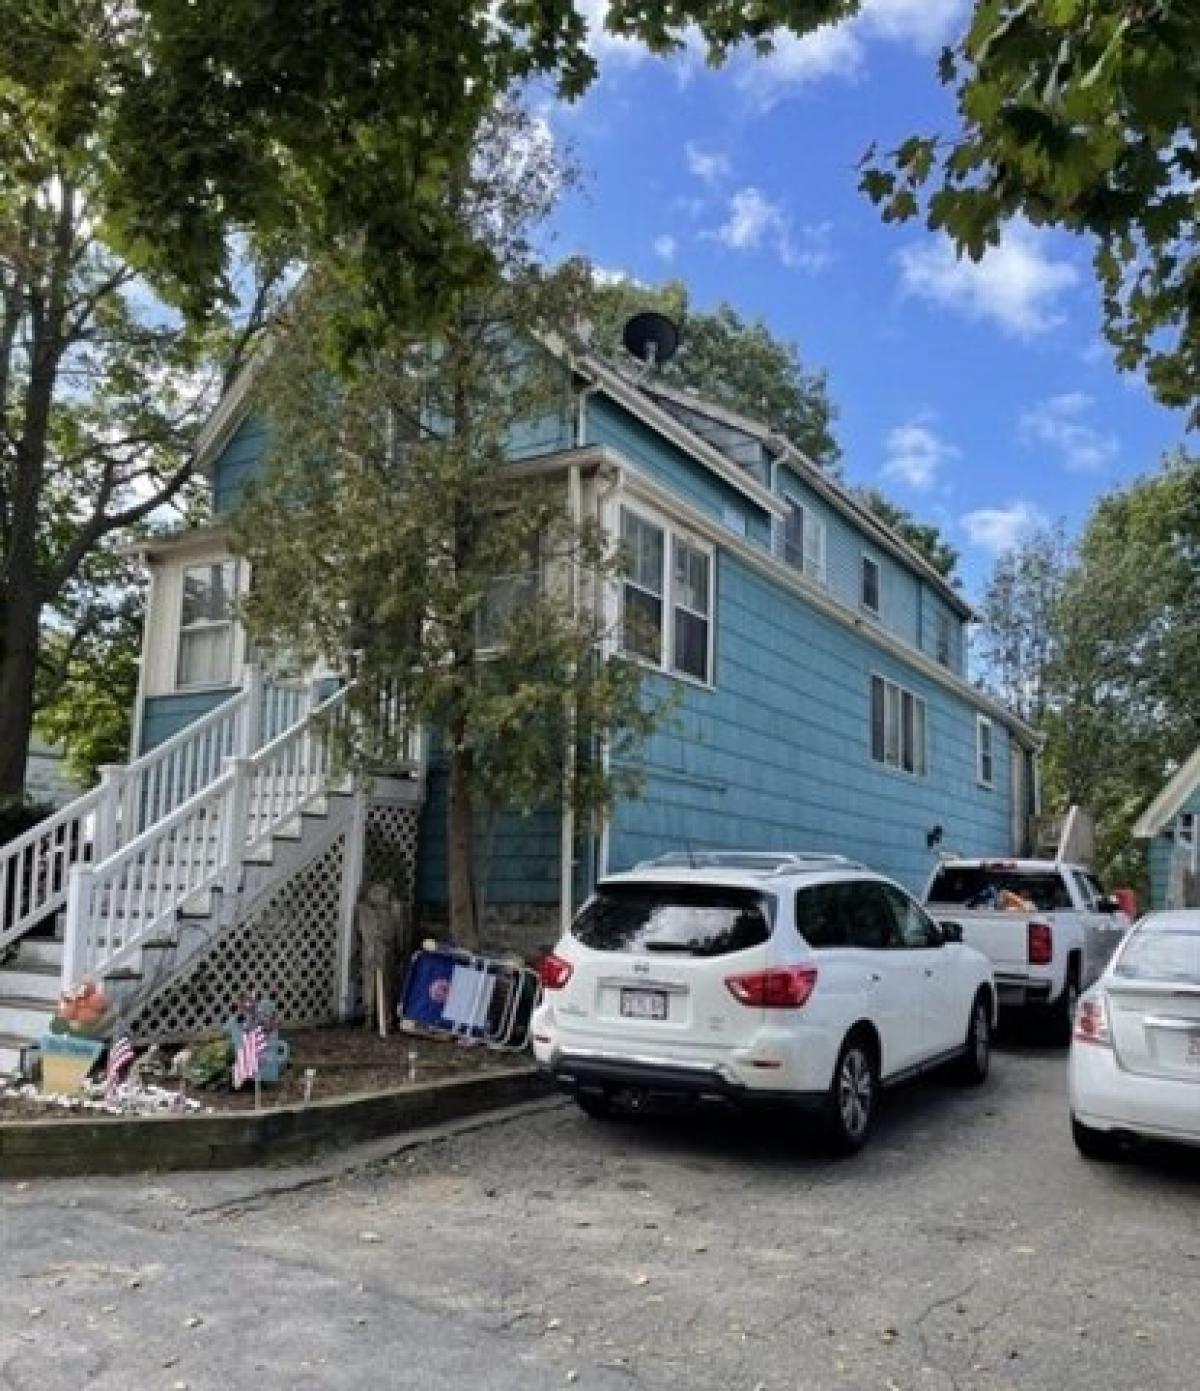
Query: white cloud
(1018, 284)
(709, 165)
(612, 275)
(603, 45)
(916, 454)
(999, 529)
(754, 223)
(1059, 422)
(840, 50)
(665, 247)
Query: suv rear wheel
(853, 1095)
(977, 1051)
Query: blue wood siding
(1161, 849)
(240, 461)
(778, 755)
(612, 425)
(163, 716)
(524, 859)
(932, 605)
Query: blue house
(820, 665)
(1171, 824)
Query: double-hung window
(206, 625)
(1185, 830)
(507, 596)
(985, 758)
(804, 541)
(899, 727)
(943, 639)
(666, 599)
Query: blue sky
(981, 396)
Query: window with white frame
(206, 624)
(899, 727)
(690, 617)
(1185, 830)
(942, 649)
(507, 596)
(985, 758)
(869, 595)
(666, 598)
(804, 540)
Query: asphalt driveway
(967, 1248)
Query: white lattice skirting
(286, 951)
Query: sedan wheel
(850, 1108)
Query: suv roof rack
(762, 861)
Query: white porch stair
(130, 883)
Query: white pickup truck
(1048, 928)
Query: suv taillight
(782, 987)
(1041, 944)
(554, 972)
(1091, 1023)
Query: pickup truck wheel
(853, 1094)
(977, 1051)
(597, 1105)
(1060, 1017)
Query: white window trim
(818, 574)
(920, 704)
(671, 533)
(983, 722)
(1189, 841)
(236, 657)
(868, 559)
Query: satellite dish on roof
(651, 338)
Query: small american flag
(120, 1055)
(249, 1053)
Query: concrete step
(31, 982)
(12, 1046)
(38, 951)
(26, 1015)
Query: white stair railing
(115, 906)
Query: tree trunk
(460, 856)
(18, 666)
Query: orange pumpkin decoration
(84, 1006)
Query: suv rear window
(978, 886)
(695, 919)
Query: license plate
(644, 1004)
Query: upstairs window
(690, 600)
(899, 728)
(206, 625)
(1185, 830)
(666, 609)
(942, 646)
(870, 585)
(985, 759)
(507, 596)
(804, 541)
(642, 597)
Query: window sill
(669, 672)
(899, 772)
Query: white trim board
(1169, 802)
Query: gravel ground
(968, 1248)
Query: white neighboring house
(1171, 823)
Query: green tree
(1018, 632)
(337, 123)
(735, 362)
(924, 537)
(1123, 697)
(101, 387)
(393, 531)
(1085, 115)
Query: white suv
(783, 978)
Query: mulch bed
(348, 1060)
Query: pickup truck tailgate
(1002, 937)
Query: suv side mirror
(951, 932)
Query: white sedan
(1135, 1054)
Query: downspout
(567, 843)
